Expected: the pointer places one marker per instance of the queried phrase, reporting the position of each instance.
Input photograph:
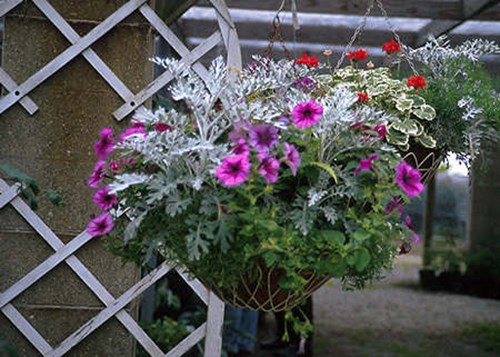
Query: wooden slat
(8, 194)
(7, 5)
(27, 329)
(215, 321)
(171, 38)
(10, 85)
(166, 77)
(229, 34)
(187, 343)
(328, 35)
(432, 9)
(109, 311)
(66, 56)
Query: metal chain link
(355, 35)
(396, 37)
(276, 34)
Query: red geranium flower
(358, 55)
(308, 61)
(416, 82)
(363, 97)
(391, 46)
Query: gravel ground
(395, 318)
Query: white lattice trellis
(19, 93)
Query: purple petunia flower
(233, 170)
(240, 129)
(292, 157)
(105, 144)
(241, 148)
(103, 199)
(97, 175)
(135, 128)
(269, 169)
(284, 120)
(365, 164)
(409, 179)
(307, 114)
(101, 225)
(263, 137)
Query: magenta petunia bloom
(105, 200)
(240, 129)
(97, 175)
(162, 127)
(409, 179)
(269, 169)
(415, 237)
(381, 131)
(114, 166)
(263, 137)
(233, 170)
(241, 148)
(101, 225)
(365, 164)
(307, 114)
(292, 157)
(105, 144)
(136, 128)
(395, 204)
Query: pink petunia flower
(415, 237)
(233, 170)
(114, 166)
(103, 199)
(409, 179)
(97, 175)
(269, 169)
(381, 131)
(101, 225)
(307, 114)
(105, 144)
(135, 128)
(292, 157)
(365, 164)
(241, 148)
(263, 137)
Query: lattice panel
(19, 93)
(113, 307)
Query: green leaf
(425, 112)
(396, 137)
(325, 167)
(403, 104)
(13, 173)
(335, 237)
(362, 259)
(270, 258)
(426, 140)
(380, 89)
(361, 235)
(407, 126)
(338, 269)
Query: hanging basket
(262, 291)
(425, 160)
